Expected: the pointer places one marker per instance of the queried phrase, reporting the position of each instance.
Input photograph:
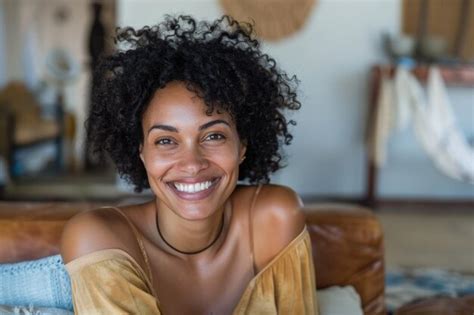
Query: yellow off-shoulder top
(111, 282)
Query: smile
(194, 191)
(193, 188)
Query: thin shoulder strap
(252, 205)
(139, 240)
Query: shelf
(461, 75)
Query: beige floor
(442, 238)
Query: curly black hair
(221, 61)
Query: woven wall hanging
(274, 19)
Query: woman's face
(191, 159)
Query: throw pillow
(339, 300)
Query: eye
(214, 137)
(164, 141)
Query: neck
(186, 237)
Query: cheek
(227, 163)
(228, 159)
(155, 165)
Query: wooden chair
(22, 125)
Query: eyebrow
(202, 127)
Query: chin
(194, 213)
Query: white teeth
(193, 188)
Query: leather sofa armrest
(347, 243)
(31, 230)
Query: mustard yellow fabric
(111, 282)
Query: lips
(195, 190)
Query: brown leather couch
(347, 242)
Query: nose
(193, 161)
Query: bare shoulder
(92, 231)
(277, 220)
(281, 206)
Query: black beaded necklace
(194, 252)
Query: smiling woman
(187, 110)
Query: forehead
(175, 103)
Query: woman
(186, 110)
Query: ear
(140, 150)
(242, 150)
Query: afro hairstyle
(221, 61)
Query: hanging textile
(436, 129)
(432, 118)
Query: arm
(104, 278)
(277, 220)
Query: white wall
(13, 68)
(3, 69)
(332, 56)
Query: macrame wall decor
(274, 19)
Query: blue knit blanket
(42, 283)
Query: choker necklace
(194, 252)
